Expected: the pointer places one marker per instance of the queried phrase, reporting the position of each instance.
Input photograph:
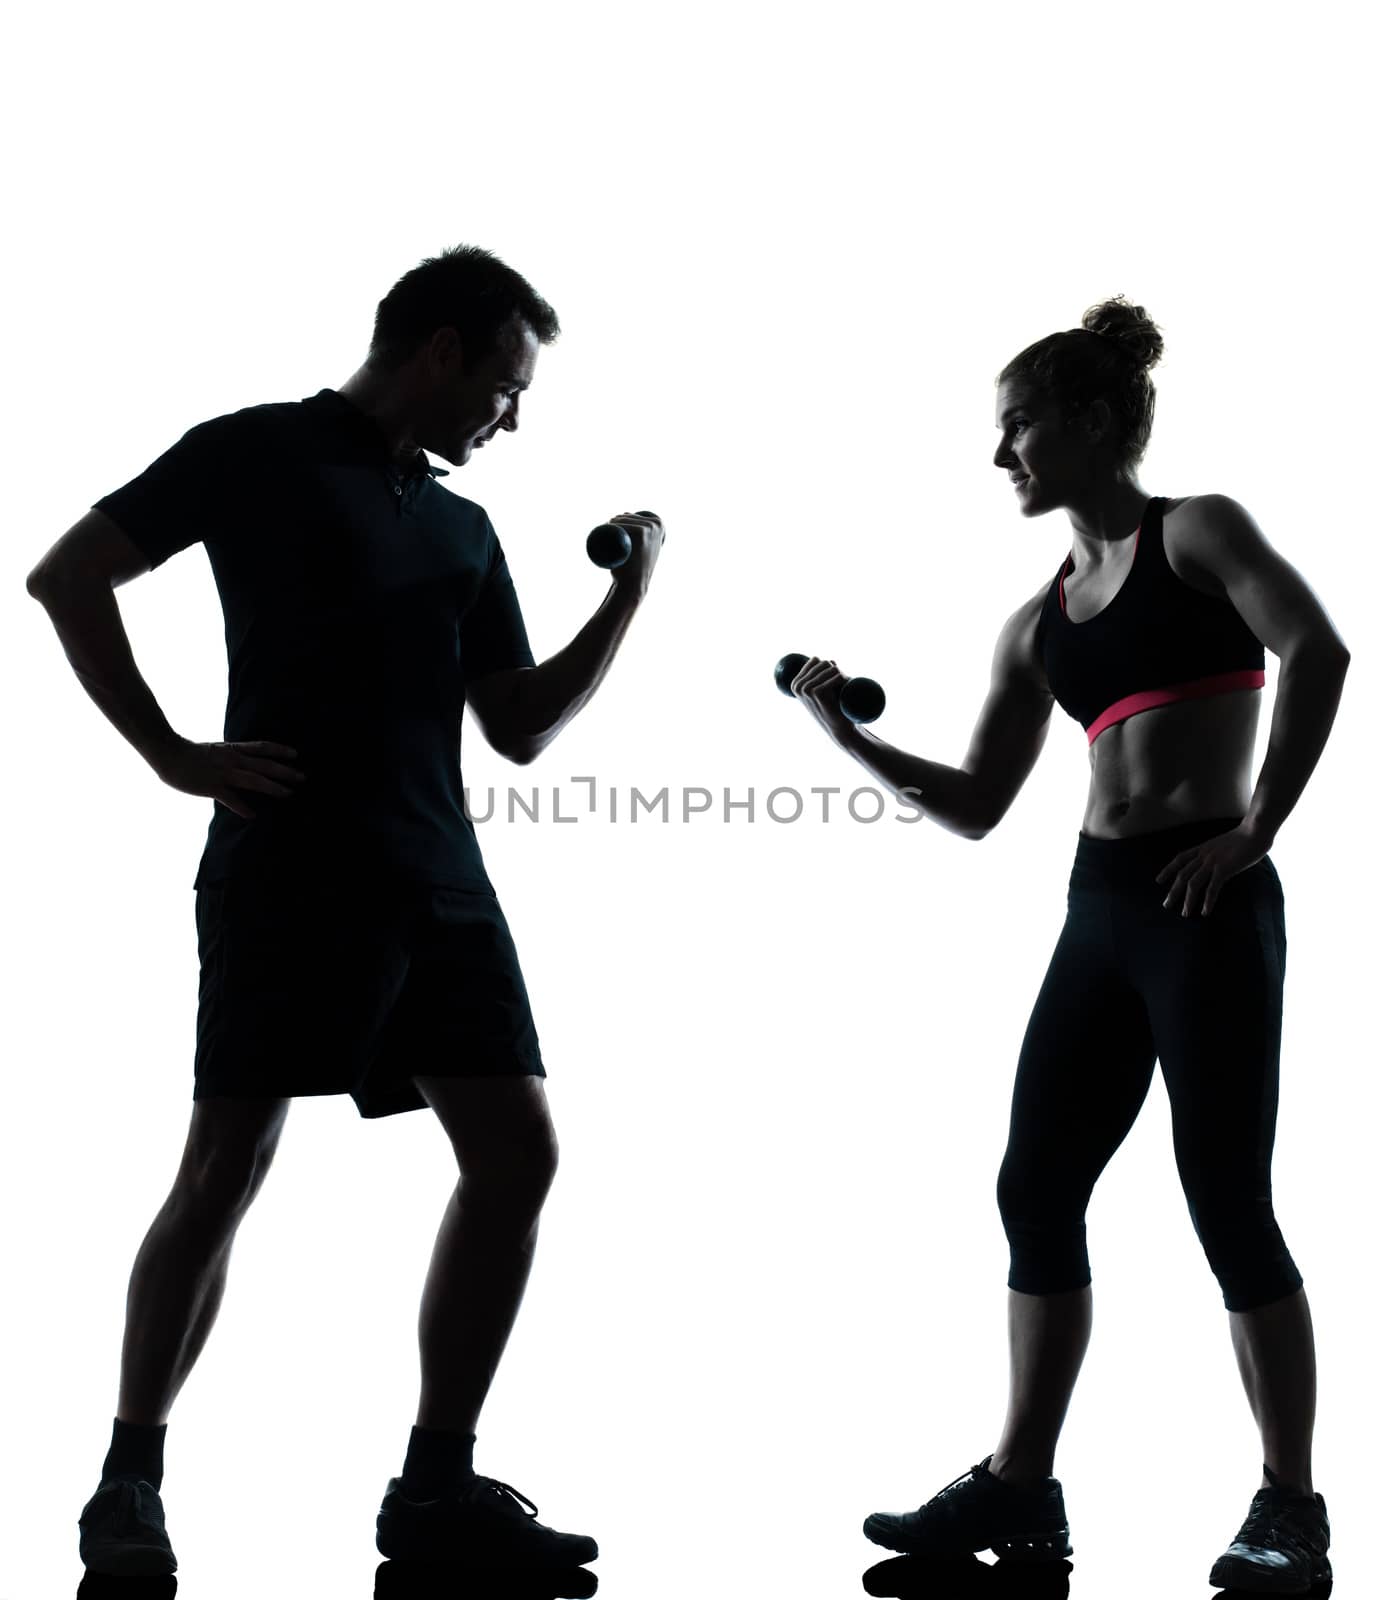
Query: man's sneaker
(122, 1530)
(486, 1524)
(980, 1512)
(1281, 1547)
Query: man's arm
(1287, 618)
(94, 547)
(75, 583)
(520, 710)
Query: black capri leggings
(1130, 981)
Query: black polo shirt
(359, 596)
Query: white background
(791, 247)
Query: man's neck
(381, 403)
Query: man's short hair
(464, 288)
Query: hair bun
(1131, 327)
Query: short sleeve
(493, 637)
(187, 493)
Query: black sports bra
(1158, 640)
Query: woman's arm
(1287, 618)
(1006, 741)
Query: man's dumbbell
(609, 545)
(862, 699)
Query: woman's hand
(819, 685)
(1199, 874)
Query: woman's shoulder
(1019, 645)
(1193, 525)
(1201, 510)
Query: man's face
(470, 404)
(1047, 457)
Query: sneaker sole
(402, 1539)
(1052, 1546)
(130, 1561)
(1047, 1547)
(1230, 1572)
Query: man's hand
(1200, 873)
(645, 530)
(225, 771)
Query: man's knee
(520, 1161)
(501, 1132)
(230, 1147)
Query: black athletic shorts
(346, 986)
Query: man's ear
(444, 352)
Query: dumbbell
(862, 699)
(609, 545)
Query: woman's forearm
(948, 795)
(1309, 691)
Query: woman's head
(1078, 404)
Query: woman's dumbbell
(862, 699)
(610, 545)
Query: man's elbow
(521, 751)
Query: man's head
(458, 336)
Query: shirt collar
(369, 434)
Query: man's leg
(504, 1142)
(178, 1279)
(439, 1510)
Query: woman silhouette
(1152, 634)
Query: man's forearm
(1309, 691)
(87, 619)
(948, 795)
(546, 697)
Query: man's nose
(510, 417)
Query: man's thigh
(493, 1120)
(298, 976)
(462, 1013)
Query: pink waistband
(1198, 689)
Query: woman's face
(1048, 457)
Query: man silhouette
(350, 940)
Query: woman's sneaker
(122, 1531)
(486, 1524)
(979, 1511)
(1281, 1547)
